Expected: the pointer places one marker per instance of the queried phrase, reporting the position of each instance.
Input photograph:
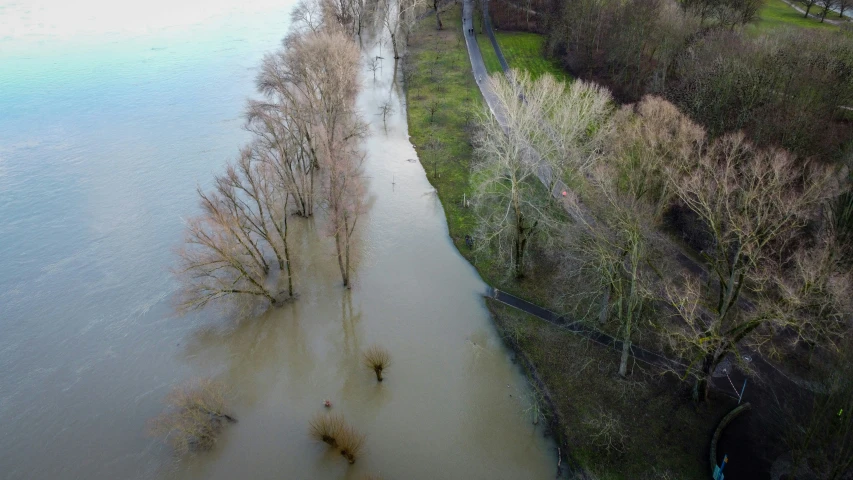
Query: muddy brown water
(102, 141)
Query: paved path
(477, 65)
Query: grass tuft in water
(377, 359)
(327, 428)
(350, 443)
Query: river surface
(110, 116)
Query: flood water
(108, 121)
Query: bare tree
(843, 5)
(810, 295)
(566, 124)
(648, 137)
(612, 259)
(196, 412)
(753, 203)
(309, 88)
(820, 435)
(433, 107)
(321, 74)
(512, 206)
(373, 65)
(225, 252)
(435, 147)
(252, 187)
(826, 6)
(387, 108)
(727, 13)
(400, 17)
(437, 14)
(307, 15)
(345, 201)
(284, 141)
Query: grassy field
(490, 58)
(778, 14)
(441, 82)
(663, 431)
(522, 50)
(526, 51)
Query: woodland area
(705, 213)
(782, 88)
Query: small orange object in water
(327, 403)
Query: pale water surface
(109, 118)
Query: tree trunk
(605, 303)
(630, 307)
(703, 382)
(347, 267)
(626, 349)
(517, 260)
(287, 258)
(809, 7)
(437, 17)
(394, 44)
(341, 258)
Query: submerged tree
(252, 192)
(196, 412)
(350, 443)
(308, 113)
(329, 84)
(221, 258)
(345, 203)
(309, 129)
(226, 249)
(400, 17)
(283, 141)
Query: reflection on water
(91, 203)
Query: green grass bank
(778, 14)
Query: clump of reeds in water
(350, 443)
(378, 359)
(333, 430)
(327, 428)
